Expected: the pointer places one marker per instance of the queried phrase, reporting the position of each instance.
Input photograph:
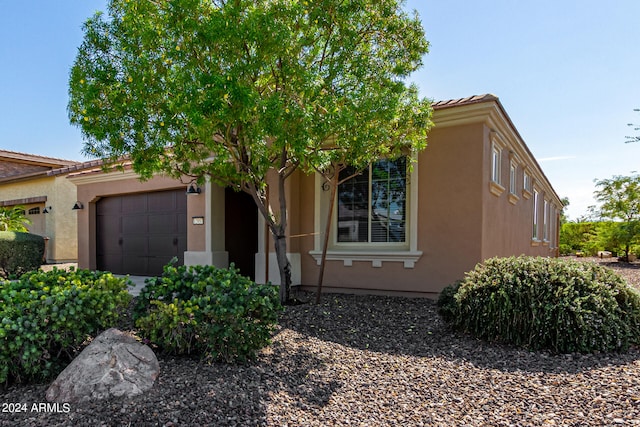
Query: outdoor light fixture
(193, 189)
(47, 209)
(77, 206)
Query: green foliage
(620, 201)
(209, 311)
(447, 304)
(20, 252)
(232, 90)
(578, 237)
(591, 237)
(46, 316)
(547, 304)
(13, 219)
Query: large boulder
(114, 364)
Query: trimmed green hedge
(545, 304)
(214, 312)
(46, 316)
(20, 252)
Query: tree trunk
(280, 237)
(285, 268)
(327, 230)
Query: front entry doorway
(241, 231)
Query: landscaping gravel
(369, 361)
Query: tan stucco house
(31, 181)
(475, 192)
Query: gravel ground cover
(369, 361)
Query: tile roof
(76, 167)
(475, 99)
(25, 157)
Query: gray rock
(114, 364)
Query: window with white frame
(513, 171)
(545, 221)
(527, 181)
(372, 206)
(496, 161)
(534, 234)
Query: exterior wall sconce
(47, 209)
(193, 190)
(77, 206)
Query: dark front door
(241, 231)
(138, 234)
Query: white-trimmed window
(496, 163)
(545, 222)
(513, 175)
(534, 233)
(527, 184)
(495, 183)
(371, 206)
(375, 217)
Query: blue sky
(567, 73)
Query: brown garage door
(138, 234)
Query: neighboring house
(475, 192)
(28, 180)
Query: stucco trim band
(409, 258)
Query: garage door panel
(134, 203)
(182, 224)
(110, 206)
(135, 245)
(135, 265)
(163, 245)
(163, 202)
(135, 224)
(114, 261)
(162, 223)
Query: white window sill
(496, 188)
(535, 242)
(409, 258)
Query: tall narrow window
(513, 169)
(372, 205)
(527, 181)
(545, 222)
(495, 163)
(534, 234)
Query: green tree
(237, 91)
(620, 201)
(13, 219)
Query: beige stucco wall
(59, 225)
(508, 220)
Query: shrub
(46, 316)
(20, 252)
(214, 312)
(540, 303)
(447, 305)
